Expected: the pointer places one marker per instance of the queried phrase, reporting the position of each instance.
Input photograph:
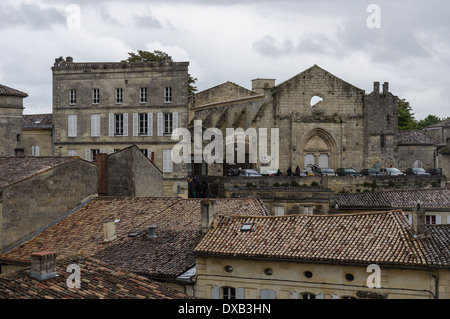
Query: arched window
(315, 100)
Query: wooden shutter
(215, 292)
(175, 120)
(111, 124)
(167, 161)
(240, 293)
(88, 155)
(150, 124)
(72, 126)
(160, 124)
(125, 124)
(135, 124)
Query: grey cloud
(269, 46)
(30, 15)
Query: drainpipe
(436, 285)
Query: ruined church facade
(322, 120)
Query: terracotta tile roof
(170, 254)
(15, 169)
(414, 138)
(7, 91)
(430, 198)
(37, 120)
(383, 238)
(98, 281)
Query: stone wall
(131, 173)
(11, 112)
(221, 185)
(36, 201)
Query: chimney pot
(208, 212)
(152, 231)
(418, 222)
(376, 87)
(43, 265)
(385, 88)
(109, 231)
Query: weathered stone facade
(52, 187)
(105, 107)
(322, 120)
(11, 112)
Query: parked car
(268, 172)
(347, 172)
(434, 171)
(326, 172)
(250, 173)
(392, 171)
(370, 172)
(416, 171)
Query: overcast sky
(407, 44)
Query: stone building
(346, 256)
(103, 107)
(416, 149)
(35, 191)
(11, 112)
(38, 135)
(321, 119)
(128, 172)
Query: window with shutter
(160, 124)
(95, 125)
(72, 126)
(150, 124)
(167, 161)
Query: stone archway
(318, 147)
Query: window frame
(95, 96)
(228, 293)
(143, 95)
(72, 97)
(168, 94)
(119, 95)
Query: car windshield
(350, 170)
(327, 170)
(419, 170)
(393, 170)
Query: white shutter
(215, 292)
(95, 125)
(150, 124)
(36, 150)
(160, 124)
(167, 161)
(111, 151)
(448, 219)
(149, 153)
(240, 293)
(293, 295)
(267, 294)
(111, 124)
(320, 296)
(102, 151)
(333, 296)
(438, 218)
(175, 120)
(88, 155)
(135, 124)
(125, 124)
(72, 126)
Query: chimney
(109, 231)
(69, 59)
(152, 231)
(418, 221)
(385, 88)
(376, 87)
(208, 211)
(102, 172)
(43, 265)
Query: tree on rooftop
(159, 56)
(406, 120)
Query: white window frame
(72, 125)
(73, 97)
(119, 95)
(95, 96)
(228, 293)
(168, 94)
(95, 125)
(167, 123)
(143, 95)
(113, 120)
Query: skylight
(246, 227)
